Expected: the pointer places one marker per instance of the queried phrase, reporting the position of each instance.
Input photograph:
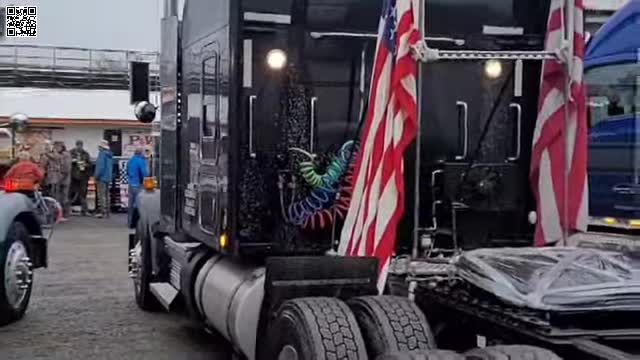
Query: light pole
(17, 123)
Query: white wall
(68, 104)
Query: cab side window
(210, 96)
(210, 106)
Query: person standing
(65, 179)
(50, 162)
(80, 162)
(104, 175)
(136, 172)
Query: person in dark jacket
(81, 161)
(65, 179)
(103, 175)
(136, 172)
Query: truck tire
(511, 352)
(144, 298)
(16, 274)
(391, 324)
(422, 355)
(315, 329)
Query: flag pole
(416, 196)
(569, 29)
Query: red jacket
(25, 170)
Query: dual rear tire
(370, 327)
(364, 328)
(315, 328)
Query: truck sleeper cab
(252, 92)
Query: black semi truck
(262, 104)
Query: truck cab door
(261, 84)
(211, 174)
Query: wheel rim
(18, 274)
(135, 259)
(288, 353)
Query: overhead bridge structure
(72, 68)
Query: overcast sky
(112, 24)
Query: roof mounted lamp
(493, 68)
(18, 122)
(276, 59)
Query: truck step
(180, 251)
(165, 293)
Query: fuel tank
(229, 296)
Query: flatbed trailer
(464, 317)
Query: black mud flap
(132, 241)
(39, 249)
(326, 276)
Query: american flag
(390, 126)
(548, 155)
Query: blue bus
(612, 75)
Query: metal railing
(72, 67)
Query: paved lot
(83, 306)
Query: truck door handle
(314, 100)
(518, 108)
(626, 189)
(252, 100)
(465, 128)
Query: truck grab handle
(465, 128)
(252, 100)
(518, 108)
(314, 100)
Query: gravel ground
(82, 306)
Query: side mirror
(139, 82)
(145, 112)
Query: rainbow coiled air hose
(331, 191)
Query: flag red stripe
(405, 66)
(380, 61)
(551, 133)
(379, 185)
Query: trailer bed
(574, 331)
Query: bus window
(613, 92)
(614, 143)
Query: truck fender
(17, 206)
(147, 210)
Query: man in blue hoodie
(103, 176)
(136, 172)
